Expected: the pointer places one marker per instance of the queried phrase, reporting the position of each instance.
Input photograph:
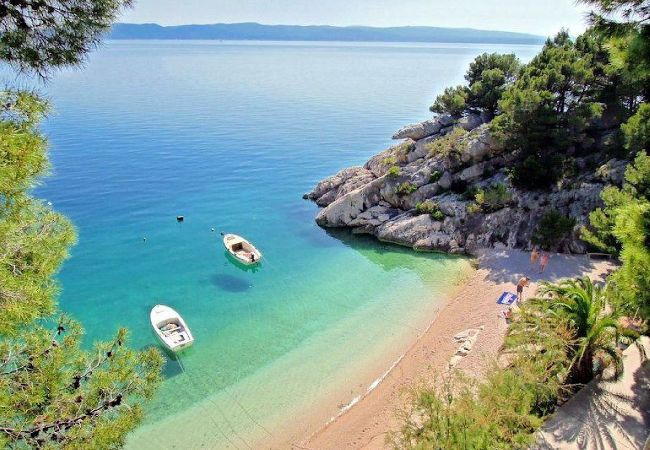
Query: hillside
(256, 31)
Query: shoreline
(366, 421)
(356, 401)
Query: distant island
(259, 32)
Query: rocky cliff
(421, 192)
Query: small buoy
(180, 218)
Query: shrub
(435, 176)
(491, 199)
(469, 193)
(394, 172)
(389, 161)
(535, 173)
(552, 228)
(406, 147)
(452, 144)
(503, 409)
(406, 188)
(432, 208)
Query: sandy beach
(365, 426)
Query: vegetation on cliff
(587, 97)
(53, 393)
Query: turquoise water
(231, 135)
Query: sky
(543, 17)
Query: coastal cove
(231, 135)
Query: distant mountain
(259, 32)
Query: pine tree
(53, 393)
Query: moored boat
(242, 250)
(170, 328)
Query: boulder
(340, 184)
(342, 211)
(470, 122)
(418, 131)
(445, 181)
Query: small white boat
(171, 328)
(241, 249)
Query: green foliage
(536, 172)
(450, 145)
(41, 34)
(394, 172)
(595, 329)
(491, 199)
(550, 106)
(53, 394)
(405, 188)
(487, 77)
(56, 395)
(624, 223)
(553, 342)
(34, 239)
(389, 161)
(469, 193)
(452, 101)
(435, 176)
(552, 229)
(22, 147)
(637, 131)
(502, 411)
(432, 208)
(626, 26)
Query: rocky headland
(421, 192)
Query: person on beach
(534, 256)
(543, 261)
(523, 282)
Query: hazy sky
(534, 16)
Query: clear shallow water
(230, 135)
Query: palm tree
(595, 327)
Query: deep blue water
(231, 135)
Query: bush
(469, 193)
(491, 199)
(535, 173)
(552, 229)
(406, 147)
(503, 409)
(394, 172)
(406, 188)
(435, 176)
(432, 208)
(452, 144)
(389, 161)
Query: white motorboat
(171, 328)
(241, 249)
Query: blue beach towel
(507, 298)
